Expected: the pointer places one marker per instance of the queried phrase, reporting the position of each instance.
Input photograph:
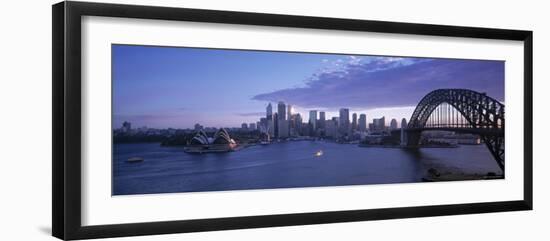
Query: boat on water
(264, 143)
(319, 153)
(134, 159)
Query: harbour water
(285, 165)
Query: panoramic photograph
(187, 119)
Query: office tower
(270, 128)
(288, 111)
(331, 128)
(244, 126)
(298, 124)
(281, 111)
(269, 112)
(354, 122)
(252, 126)
(393, 124)
(313, 120)
(283, 128)
(362, 122)
(322, 120)
(276, 124)
(262, 125)
(343, 122)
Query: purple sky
(177, 87)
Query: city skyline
(320, 116)
(163, 87)
(316, 121)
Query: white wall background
(25, 104)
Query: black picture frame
(66, 159)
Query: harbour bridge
(461, 111)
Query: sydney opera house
(220, 142)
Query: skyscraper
(270, 125)
(298, 124)
(313, 120)
(263, 124)
(322, 119)
(344, 121)
(276, 124)
(331, 129)
(288, 111)
(362, 122)
(269, 112)
(281, 110)
(393, 124)
(354, 122)
(283, 129)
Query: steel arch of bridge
(485, 117)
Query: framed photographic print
(169, 120)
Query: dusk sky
(163, 87)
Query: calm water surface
(284, 165)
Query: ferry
(134, 159)
(319, 153)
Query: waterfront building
(244, 126)
(283, 129)
(393, 124)
(331, 128)
(313, 120)
(362, 122)
(305, 129)
(220, 142)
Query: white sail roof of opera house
(220, 137)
